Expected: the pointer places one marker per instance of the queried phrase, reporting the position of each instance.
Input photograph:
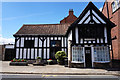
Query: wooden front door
(88, 59)
(55, 46)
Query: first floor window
(115, 5)
(101, 53)
(29, 43)
(77, 54)
(55, 43)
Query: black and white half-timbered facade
(89, 38)
(86, 41)
(42, 40)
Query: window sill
(101, 61)
(77, 62)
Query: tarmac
(54, 70)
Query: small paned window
(29, 43)
(77, 54)
(118, 3)
(101, 54)
(115, 5)
(55, 43)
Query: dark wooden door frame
(88, 57)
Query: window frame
(74, 60)
(102, 52)
(116, 5)
(55, 40)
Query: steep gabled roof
(91, 15)
(93, 11)
(43, 29)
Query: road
(57, 77)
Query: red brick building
(111, 9)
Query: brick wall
(115, 18)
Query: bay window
(77, 54)
(101, 54)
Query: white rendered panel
(51, 38)
(55, 38)
(87, 21)
(59, 38)
(35, 53)
(85, 41)
(89, 41)
(105, 34)
(20, 53)
(70, 36)
(84, 17)
(81, 40)
(44, 53)
(36, 42)
(98, 16)
(28, 54)
(95, 19)
(22, 42)
(66, 51)
(101, 40)
(24, 54)
(32, 53)
(65, 41)
(29, 38)
(93, 41)
(9, 46)
(48, 54)
(62, 42)
(98, 41)
(40, 52)
(17, 53)
(45, 43)
(32, 38)
(48, 42)
(76, 34)
(62, 49)
(17, 43)
(40, 43)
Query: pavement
(53, 69)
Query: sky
(15, 14)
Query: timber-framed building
(85, 39)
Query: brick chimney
(70, 18)
(71, 11)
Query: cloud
(6, 40)
(100, 9)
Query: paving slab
(53, 69)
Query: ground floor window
(101, 53)
(77, 54)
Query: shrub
(60, 55)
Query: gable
(91, 17)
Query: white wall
(26, 51)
